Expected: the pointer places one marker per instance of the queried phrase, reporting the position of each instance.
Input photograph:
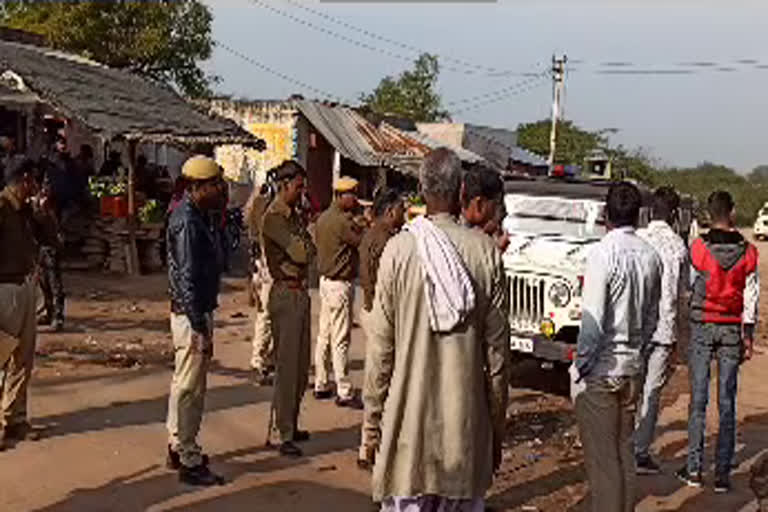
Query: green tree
(759, 174)
(702, 180)
(163, 40)
(573, 143)
(411, 95)
(636, 164)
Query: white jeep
(551, 225)
(760, 229)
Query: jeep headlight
(559, 294)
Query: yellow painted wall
(274, 122)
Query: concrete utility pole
(558, 82)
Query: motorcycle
(233, 228)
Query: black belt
(293, 284)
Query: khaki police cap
(200, 167)
(345, 184)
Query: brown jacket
(20, 232)
(374, 241)
(337, 239)
(287, 246)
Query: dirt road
(100, 389)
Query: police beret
(200, 167)
(345, 184)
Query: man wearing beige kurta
(435, 400)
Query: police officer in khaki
(262, 358)
(195, 263)
(21, 230)
(338, 237)
(288, 249)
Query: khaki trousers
(263, 344)
(186, 401)
(605, 411)
(18, 323)
(290, 315)
(335, 328)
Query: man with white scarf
(437, 359)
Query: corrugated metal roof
(394, 140)
(496, 146)
(524, 156)
(464, 155)
(499, 145)
(363, 142)
(343, 128)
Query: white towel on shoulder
(447, 285)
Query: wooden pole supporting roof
(114, 105)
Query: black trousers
(51, 283)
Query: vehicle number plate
(521, 344)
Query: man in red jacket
(724, 302)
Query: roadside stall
(120, 111)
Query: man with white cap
(195, 262)
(338, 238)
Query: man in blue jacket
(195, 263)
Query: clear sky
(716, 113)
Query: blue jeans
(723, 342)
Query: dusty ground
(101, 389)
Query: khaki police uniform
(337, 261)
(263, 355)
(288, 250)
(186, 401)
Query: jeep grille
(526, 302)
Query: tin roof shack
(328, 140)
(111, 105)
(498, 146)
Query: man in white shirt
(622, 288)
(659, 354)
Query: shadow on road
(520, 494)
(297, 496)
(752, 433)
(150, 486)
(147, 411)
(105, 376)
(529, 374)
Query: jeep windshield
(554, 216)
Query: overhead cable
(482, 104)
(283, 76)
(364, 45)
(477, 68)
